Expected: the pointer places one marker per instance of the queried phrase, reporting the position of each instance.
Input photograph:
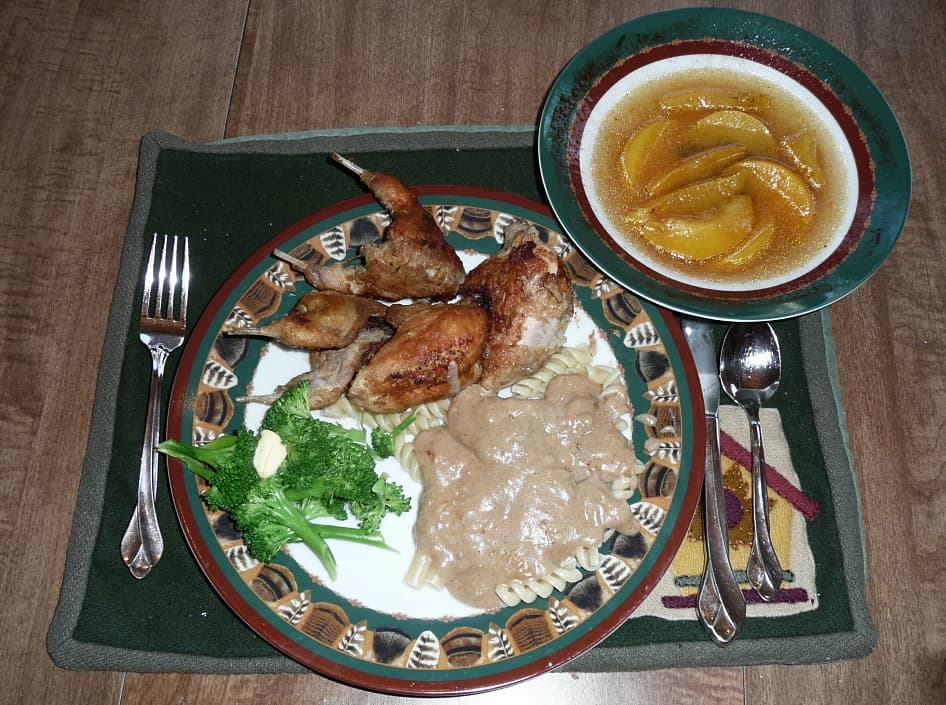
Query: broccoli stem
(316, 491)
(200, 460)
(292, 517)
(358, 435)
(382, 442)
(349, 533)
(397, 430)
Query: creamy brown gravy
(513, 487)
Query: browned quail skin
(433, 355)
(319, 320)
(528, 292)
(412, 260)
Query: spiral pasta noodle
(561, 362)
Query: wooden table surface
(81, 82)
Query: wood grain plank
(722, 685)
(81, 82)
(377, 63)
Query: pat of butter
(270, 452)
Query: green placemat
(234, 195)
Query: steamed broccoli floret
(290, 418)
(289, 411)
(386, 497)
(382, 442)
(328, 472)
(318, 448)
(354, 484)
(268, 519)
(226, 463)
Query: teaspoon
(750, 367)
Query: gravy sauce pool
(514, 487)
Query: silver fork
(161, 329)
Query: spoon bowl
(750, 367)
(750, 363)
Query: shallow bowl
(873, 171)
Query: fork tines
(175, 275)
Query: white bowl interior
(645, 77)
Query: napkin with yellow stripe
(790, 509)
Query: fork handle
(143, 545)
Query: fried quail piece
(332, 370)
(396, 314)
(528, 292)
(412, 260)
(433, 355)
(319, 320)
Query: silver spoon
(750, 366)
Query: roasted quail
(332, 370)
(433, 355)
(319, 320)
(412, 260)
(528, 292)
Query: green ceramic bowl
(865, 132)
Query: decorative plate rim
(866, 119)
(375, 676)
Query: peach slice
(698, 167)
(751, 247)
(731, 127)
(694, 198)
(801, 151)
(704, 237)
(639, 149)
(713, 98)
(768, 179)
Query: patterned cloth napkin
(790, 510)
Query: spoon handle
(763, 571)
(721, 606)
